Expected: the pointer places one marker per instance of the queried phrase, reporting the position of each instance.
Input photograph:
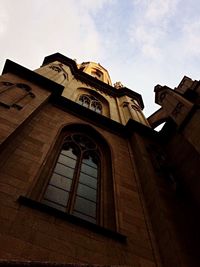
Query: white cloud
(3, 20)
(91, 5)
(40, 28)
(149, 30)
(159, 10)
(191, 38)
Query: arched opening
(77, 177)
(92, 100)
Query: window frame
(70, 207)
(92, 99)
(107, 217)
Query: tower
(84, 177)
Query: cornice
(102, 121)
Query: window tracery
(90, 102)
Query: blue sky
(141, 42)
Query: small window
(97, 74)
(90, 102)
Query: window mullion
(74, 186)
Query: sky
(141, 43)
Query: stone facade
(147, 204)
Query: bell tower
(84, 178)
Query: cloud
(159, 10)
(150, 29)
(91, 5)
(39, 28)
(3, 20)
(191, 35)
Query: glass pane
(64, 170)
(84, 217)
(67, 161)
(85, 206)
(89, 170)
(56, 195)
(87, 192)
(88, 180)
(90, 162)
(68, 153)
(60, 181)
(53, 205)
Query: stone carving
(15, 95)
(136, 107)
(177, 109)
(118, 85)
(162, 96)
(58, 68)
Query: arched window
(90, 102)
(74, 184)
(76, 179)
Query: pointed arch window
(90, 102)
(74, 184)
(76, 180)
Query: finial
(118, 85)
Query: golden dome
(96, 70)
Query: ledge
(15, 263)
(72, 219)
(100, 120)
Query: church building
(85, 180)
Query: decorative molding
(177, 109)
(9, 97)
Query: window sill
(69, 217)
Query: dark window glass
(73, 183)
(86, 192)
(88, 180)
(64, 170)
(68, 153)
(88, 170)
(56, 195)
(67, 161)
(85, 206)
(89, 161)
(60, 182)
